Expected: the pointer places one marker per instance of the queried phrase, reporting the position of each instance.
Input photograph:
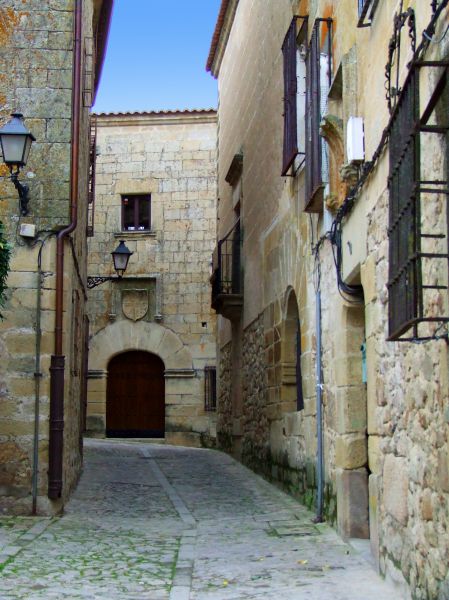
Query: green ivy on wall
(4, 265)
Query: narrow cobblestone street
(153, 522)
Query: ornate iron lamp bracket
(95, 281)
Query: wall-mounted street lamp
(120, 256)
(16, 141)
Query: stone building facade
(330, 271)
(166, 163)
(49, 74)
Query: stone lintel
(97, 374)
(179, 373)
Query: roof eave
(102, 25)
(220, 36)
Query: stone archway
(182, 391)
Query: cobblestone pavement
(153, 522)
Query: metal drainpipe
(57, 366)
(37, 383)
(319, 412)
(37, 380)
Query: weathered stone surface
(352, 503)
(162, 306)
(36, 65)
(395, 488)
(351, 451)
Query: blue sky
(156, 56)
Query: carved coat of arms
(135, 304)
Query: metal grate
(418, 213)
(210, 388)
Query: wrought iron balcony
(227, 289)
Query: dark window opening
(299, 392)
(210, 389)
(136, 212)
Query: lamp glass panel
(27, 149)
(13, 149)
(120, 261)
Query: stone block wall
(170, 156)
(385, 418)
(36, 63)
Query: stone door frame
(124, 336)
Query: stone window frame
(139, 197)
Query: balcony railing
(227, 292)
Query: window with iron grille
(418, 210)
(366, 12)
(318, 78)
(136, 212)
(210, 388)
(293, 51)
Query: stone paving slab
(153, 522)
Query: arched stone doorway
(185, 419)
(135, 396)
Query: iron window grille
(366, 12)
(210, 388)
(293, 48)
(418, 210)
(318, 80)
(136, 212)
(92, 170)
(227, 278)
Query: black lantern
(16, 140)
(120, 256)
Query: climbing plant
(4, 265)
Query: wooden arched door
(135, 405)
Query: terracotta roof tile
(217, 33)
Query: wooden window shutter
(290, 89)
(313, 118)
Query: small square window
(136, 212)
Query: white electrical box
(28, 230)
(355, 140)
